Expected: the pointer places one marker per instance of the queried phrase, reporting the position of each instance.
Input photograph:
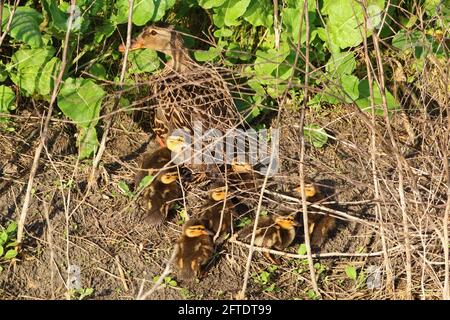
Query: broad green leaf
(7, 98)
(58, 18)
(345, 21)
(291, 19)
(260, 13)
(26, 68)
(432, 5)
(12, 253)
(267, 61)
(143, 10)
(208, 55)
(98, 70)
(315, 135)
(208, 4)
(341, 63)
(234, 9)
(87, 142)
(364, 99)
(350, 85)
(405, 40)
(24, 26)
(104, 31)
(48, 76)
(1, 251)
(80, 100)
(350, 271)
(144, 60)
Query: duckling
(194, 249)
(275, 232)
(213, 217)
(157, 197)
(320, 225)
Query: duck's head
(218, 194)
(286, 222)
(159, 39)
(165, 40)
(310, 190)
(196, 229)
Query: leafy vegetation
(8, 242)
(245, 34)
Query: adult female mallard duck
(158, 196)
(185, 92)
(194, 249)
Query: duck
(194, 249)
(273, 232)
(320, 225)
(157, 198)
(219, 216)
(185, 92)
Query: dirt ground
(117, 252)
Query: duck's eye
(153, 33)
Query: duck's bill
(135, 44)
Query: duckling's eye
(153, 33)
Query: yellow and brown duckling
(194, 249)
(157, 198)
(185, 92)
(220, 211)
(319, 225)
(273, 232)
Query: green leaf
(3, 237)
(87, 142)
(12, 253)
(143, 10)
(260, 13)
(58, 18)
(104, 31)
(7, 98)
(125, 189)
(301, 249)
(26, 67)
(208, 4)
(145, 60)
(209, 55)
(98, 70)
(350, 85)
(233, 10)
(345, 21)
(405, 40)
(145, 182)
(267, 61)
(350, 271)
(341, 63)
(24, 26)
(48, 76)
(3, 72)
(364, 99)
(315, 135)
(12, 228)
(80, 100)
(1, 250)
(291, 19)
